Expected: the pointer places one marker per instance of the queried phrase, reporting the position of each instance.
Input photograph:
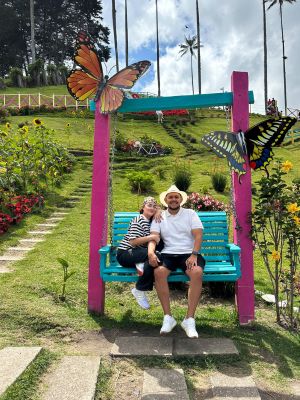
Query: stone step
(126, 346)
(39, 232)
(5, 257)
(74, 378)
(13, 362)
(53, 219)
(163, 383)
(19, 249)
(59, 214)
(4, 267)
(47, 225)
(32, 241)
(228, 387)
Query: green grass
(46, 90)
(32, 313)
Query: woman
(133, 250)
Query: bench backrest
(215, 234)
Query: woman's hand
(153, 237)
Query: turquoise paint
(177, 102)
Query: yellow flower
(37, 122)
(292, 208)
(297, 220)
(8, 126)
(286, 166)
(24, 129)
(2, 133)
(2, 170)
(68, 125)
(275, 255)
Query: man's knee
(195, 273)
(161, 273)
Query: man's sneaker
(168, 324)
(140, 268)
(141, 298)
(190, 327)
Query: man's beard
(174, 208)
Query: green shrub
(120, 141)
(193, 140)
(140, 182)
(219, 182)
(182, 177)
(160, 172)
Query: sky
(231, 33)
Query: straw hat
(172, 189)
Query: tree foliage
(56, 26)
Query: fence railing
(38, 100)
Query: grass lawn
(32, 314)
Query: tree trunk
(265, 56)
(283, 61)
(126, 34)
(198, 49)
(157, 51)
(114, 20)
(32, 40)
(192, 75)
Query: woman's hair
(148, 200)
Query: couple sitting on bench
(180, 230)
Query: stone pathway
(162, 383)
(13, 362)
(41, 230)
(226, 387)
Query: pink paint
(98, 229)
(242, 199)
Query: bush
(140, 182)
(219, 182)
(160, 172)
(193, 140)
(205, 203)
(182, 177)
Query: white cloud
(232, 35)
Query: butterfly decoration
(87, 79)
(257, 143)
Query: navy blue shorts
(174, 261)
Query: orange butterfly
(88, 79)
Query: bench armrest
(233, 248)
(105, 249)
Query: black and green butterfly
(256, 142)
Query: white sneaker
(141, 298)
(189, 326)
(140, 268)
(168, 324)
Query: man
(181, 231)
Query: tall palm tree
(126, 34)
(198, 48)
(189, 45)
(265, 55)
(114, 21)
(157, 51)
(281, 2)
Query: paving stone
(296, 388)
(46, 225)
(30, 242)
(73, 198)
(203, 346)
(54, 220)
(19, 249)
(227, 387)
(75, 378)
(39, 232)
(59, 214)
(16, 252)
(162, 383)
(4, 267)
(14, 361)
(5, 257)
(142, 346)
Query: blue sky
(232, 35)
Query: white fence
(37, 100)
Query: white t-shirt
(176, 230)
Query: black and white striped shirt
(139, 227)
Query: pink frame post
(242, 200)
(99, 217)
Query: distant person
(181, 231)
(160, 116)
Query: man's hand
(191, 262)
(153, 260)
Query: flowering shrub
(205, 203)
(5, 221)
(276, 232)
(21, 205)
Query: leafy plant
(276, 232)
(219, 181)
(141, 182)
(182, 177)
(66, 275)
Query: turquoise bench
(222, 258)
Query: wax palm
(265, 55)
(189, 46)
(281, 2)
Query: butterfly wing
(112, 94)
(262, 137)
(83, 81)
(226, 145)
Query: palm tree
(265, 56)
(281, 2)
(190, 45)
(126, 34)
(114, 21)
(198, 48)
(157, 51)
